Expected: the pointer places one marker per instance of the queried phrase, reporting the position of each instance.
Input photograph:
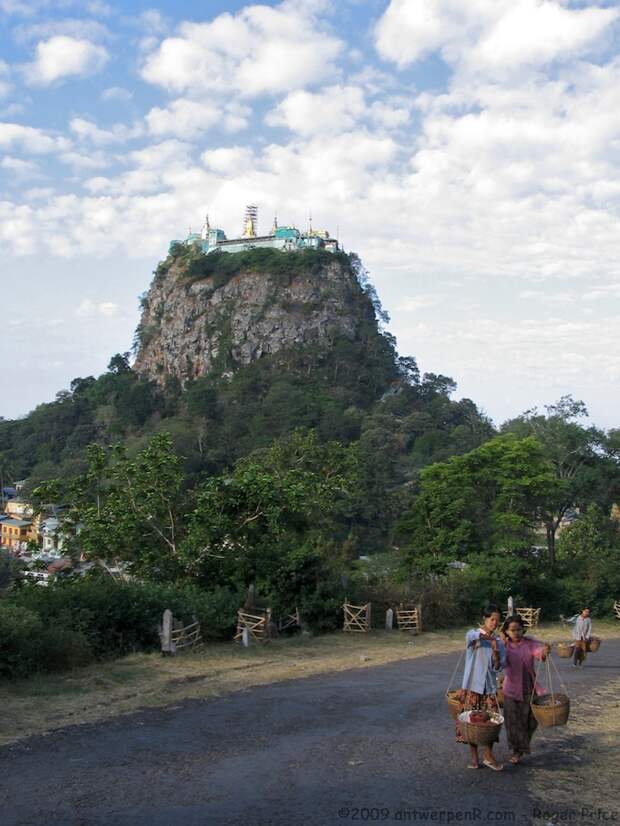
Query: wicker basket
(480, 734)
(565, 649)
(454, 705)
(593, 645)
(551, 715)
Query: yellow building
(15, 532)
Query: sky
(467, 150)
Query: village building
(18, 509)
(284, 238)
(16, 533)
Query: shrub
(99, 618)
(28, 645)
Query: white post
(389, 619)
(245, 638)
(511, 606)
(168, 648)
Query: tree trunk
(551, 528)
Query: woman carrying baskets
(519, 683)
(582, 634)
(484, 657)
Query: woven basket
(480, 734)
(565, 649)
(593, 645)
(555, 715)
(454, 705)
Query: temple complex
(285, 238)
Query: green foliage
(589, 560)
(220, 267)
(577, 455)
(124, 509)
(29, 644)
(267, 521)
(486, 500)
(50, 441)
(73, 622)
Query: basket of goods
(454, 705)
(593, 645)
(480, 728)
(551, 709)
(564, 649)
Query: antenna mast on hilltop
(250, 221)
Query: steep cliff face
(202, 316)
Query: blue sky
(468, 150)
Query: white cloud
(488, 35)
(62, 56)
(82, 162)
(260, 50)
(92, 309)
(390, 114)
(537, 32)
(229, 160)
(117, 93)
(19, 167)
(29, 139)
(183, 118)
(86, 130)
(333, 109)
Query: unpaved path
(366, 745)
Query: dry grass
(579, 768)
(48, 702)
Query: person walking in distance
(582, 634)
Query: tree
(124, 509)
(589, 559)
(484, 501)
(576, 454)
(271, 515)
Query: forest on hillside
(315, 473)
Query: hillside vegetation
(315, 470)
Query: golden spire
(249, 222)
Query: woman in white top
(582, 634)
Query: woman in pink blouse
(519, 683)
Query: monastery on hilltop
(287, 238)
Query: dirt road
(369, 745)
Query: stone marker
(389, 619)
(168, 648)
(245, 638)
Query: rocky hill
(211, 314)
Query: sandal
(471, 766)
(497, 767)
(516, 758)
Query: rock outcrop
(193, 325)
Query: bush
(27, 645)
(73, 622)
